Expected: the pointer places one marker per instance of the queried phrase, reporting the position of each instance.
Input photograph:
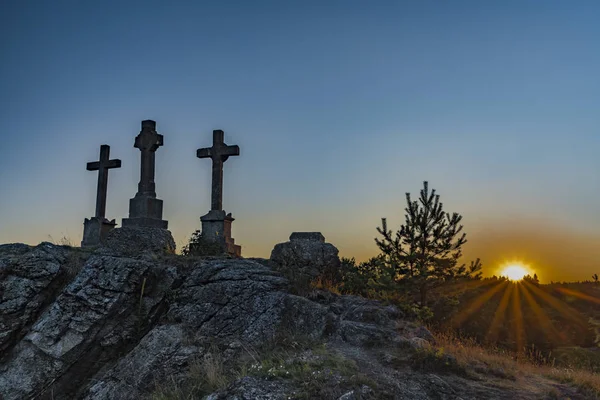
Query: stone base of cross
(146, 212)
(216, 227)
(95, 231)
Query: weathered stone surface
(163, 352)
(222, 298)
(230, 301)
(95, 231)
(423, 333)
(253, 388)
(216, 227)
(97, 315)
(305, 257)
(30, 278)
(136, 242)
(317, 236)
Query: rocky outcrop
(30, 279)
(114, 323)
(125, 319)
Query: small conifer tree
(425, 251)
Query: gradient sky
(339, 108)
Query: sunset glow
(514, 272)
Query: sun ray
(566, 311)
(499, 315)
(579, 295)
(477, 303)
(547, 326)
(516, 310)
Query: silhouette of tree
(425, 251)
(532, 279)
(595, 278)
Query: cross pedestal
(96, 228)
(216, 227)
(145, 210)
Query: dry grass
(63, 241)
(504, 364)
(325, 284)
(587, 382)
(212, 370)
(206, 375)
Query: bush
(200, 247)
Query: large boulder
(305, 257)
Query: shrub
(201, 247)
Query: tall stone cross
(102, 166)
(148, 141)
(219, 153)
(145, 210)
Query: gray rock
(362, 334)
(423, 333)
(305, 257)
(14, 248)
(228, 297)
(359, 309)
(313, 236)
(418, 343)
(252, 388)
(161, 353)
(29, 280)
(97, 315)
(138, 242)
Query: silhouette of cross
(102, 166)
(219, 153)
(148, 141)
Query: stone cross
(219, 153)
(102, 166)
(148, 141)
(145, 210)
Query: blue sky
(339, 108)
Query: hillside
(522, 315)
(132, 320)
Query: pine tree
(425, 251)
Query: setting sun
(514, 272)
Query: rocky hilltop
(132, 320)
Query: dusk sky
(339, 108)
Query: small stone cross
(148, 141)
(102, 166)
(219, 153)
